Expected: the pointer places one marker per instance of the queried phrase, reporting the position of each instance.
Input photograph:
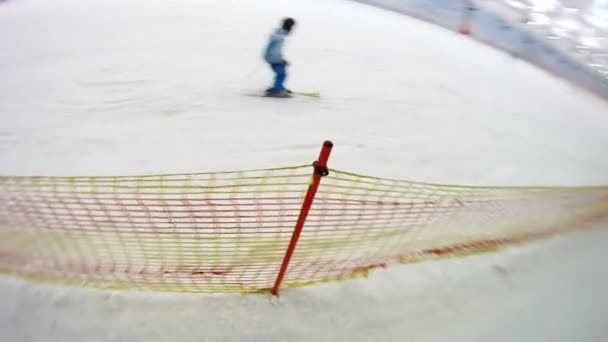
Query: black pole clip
(321, 171)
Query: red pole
(467, 14)
(319, 172)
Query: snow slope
(516, 295)
(151, 86)
(106, 87)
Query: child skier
(273, 55)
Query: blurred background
(579, 26)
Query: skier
(273, 55)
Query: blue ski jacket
(273, 53)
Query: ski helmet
(287, 24)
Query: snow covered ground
(107, 87)
(149, 86)
(555, 292)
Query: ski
(305, 93)
(311, 94)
